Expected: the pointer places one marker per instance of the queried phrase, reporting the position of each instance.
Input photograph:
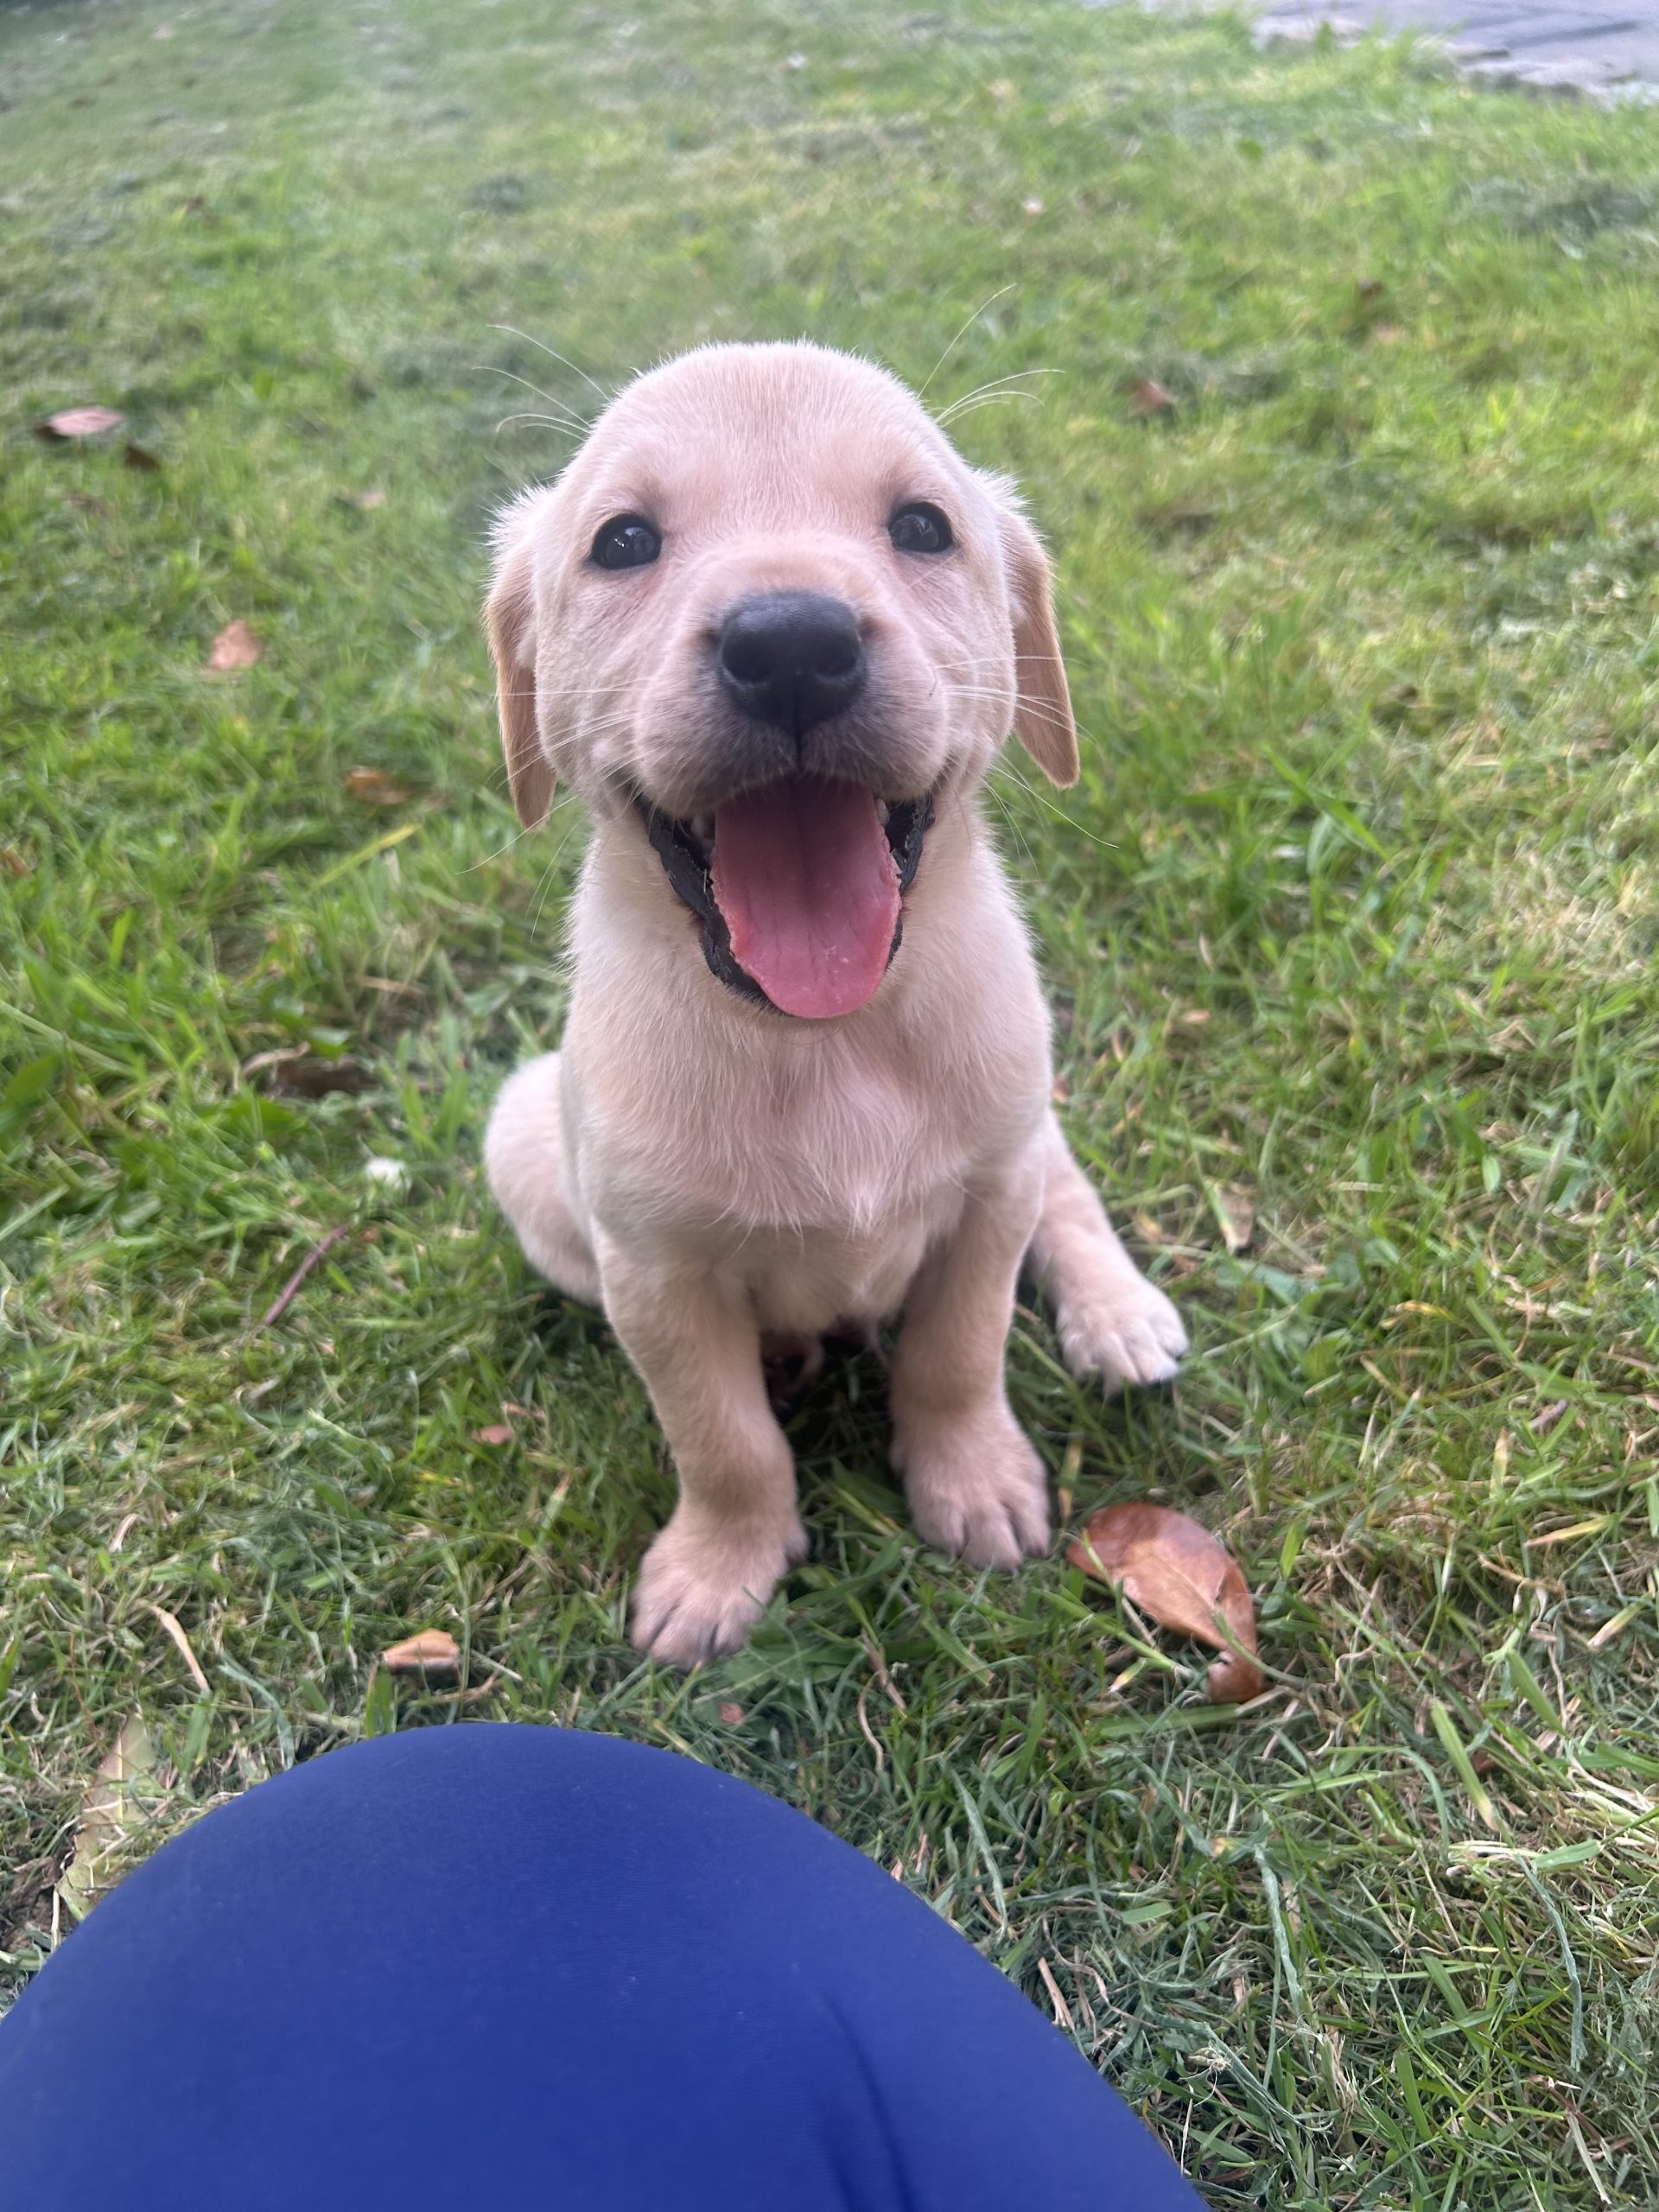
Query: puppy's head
(770, 617)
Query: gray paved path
(1594, 47)
(1604, 51)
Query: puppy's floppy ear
(509, 618)
(1042, 720)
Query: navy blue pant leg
(496, 1968)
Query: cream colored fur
(708, 1169)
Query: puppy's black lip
(689, 871)
(691, 879)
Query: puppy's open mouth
(798, 885)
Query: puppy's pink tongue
(809, 889)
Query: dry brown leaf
(376, 788)
(1148, 397)
(78, 423)
(499, 1431)
(730, 1713)
(175, 1628)
(127, 1779)
(1235, 1212)
(301, 1074)
(234, 647)
(12, 862)
(1179, 1574)
(434, 1651)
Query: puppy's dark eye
(626, 542)
(919, 528)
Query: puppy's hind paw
(1123, 1329)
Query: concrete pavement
(1595, 48)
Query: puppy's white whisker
(548, 421)
(999, 387)
(973, 406)
(494, 369)
(1014, 830)
(1005, 767)
(984, 660)
(1023, 704)
(563, 800)
(511, 332)
(994, 383)
(921, 389)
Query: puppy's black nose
(792, 659)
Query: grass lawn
(1352, 914)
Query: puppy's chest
(819, 1189)
(806, 1281)
(838, 1151)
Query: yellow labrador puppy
(773, 629)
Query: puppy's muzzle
(792, 659)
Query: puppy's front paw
(703, 1586)
(1122, 1328)
(975, 1488)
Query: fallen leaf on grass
(1179, 1574)
(127, 1777)
(301, 1074)
(12, 862)
(234, 647)
(1236, 1212)
(1616, 1627)
(434, 1651)
(499, 1431)
(375, 788)
(78, 423)
(731, 1714)
(318, 1078)
(1149, 397)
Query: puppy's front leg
(735, 1531)
(973, 1482)
(1112, 1322)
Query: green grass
(1354, 910)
